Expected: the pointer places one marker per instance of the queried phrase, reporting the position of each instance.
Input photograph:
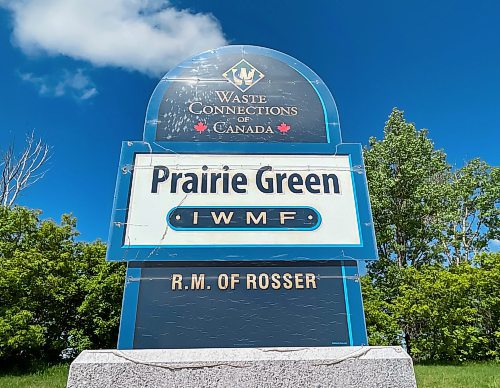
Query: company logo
(243, 75)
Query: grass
(51, 377)
(477, 375)
(474, 375)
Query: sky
(80, 73)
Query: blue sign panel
(238, 305)
(242, 94)
(243, 218)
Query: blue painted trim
(325, 113)
(247, 246)
(347, 308)
(360, 233)
(329, 106)
(120, 251)
(129, 309)
(358, 322)
(360, 187)
(314, 227)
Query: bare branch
(19, 173)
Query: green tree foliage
(472, 216)
(423, 211)
(435, 287)
(446, 313)
(406, 178)
(98, 314)
(55, 293)
(381, 324)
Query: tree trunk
(408, 343)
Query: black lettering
(173, 185)
(295, 180)
(225, 180)
(157, 178)
(203, 182)
(312, 179)
(326, 183)
(279, 182)
(239, 179)
(191, 185)
(213, 182)
(268, 189)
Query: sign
(181, 206)
(231, 200)
(241, 213)
(190, 193)
(235, 96)
(242, 306)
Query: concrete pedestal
(367, 366)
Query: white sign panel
(234, 200)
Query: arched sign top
(242, 94)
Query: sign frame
(330, 111)
(355, 316)
(119, 251)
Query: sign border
(118, 251)
(242, 228)
(356, 323)
(330, 111)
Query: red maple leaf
(200, 127)
(283, 128)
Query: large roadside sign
(241, 213)
(241, 159)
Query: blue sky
(80, 73)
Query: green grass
(473, 375)
(51, 377)
(479, 375)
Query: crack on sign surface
(281, 350)
(171, 368)
(165, 232)
(355, 355)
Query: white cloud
(75, 84)
(150, 36)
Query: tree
(435, 287)
(20, 172)
(446, 313)
(450, 313)
(37, 292)
(56, 294)
(472, 217)
(98, 314)
(406, 178)
(382, 327)
(487, 302)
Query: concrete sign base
(357, 366)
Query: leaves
(473, 211)
(55, 293)
(434, 287)
(405, 177)
(424, 212)
(443, 313)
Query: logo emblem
(243, 75)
